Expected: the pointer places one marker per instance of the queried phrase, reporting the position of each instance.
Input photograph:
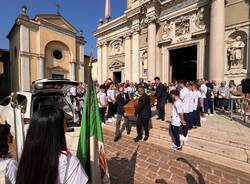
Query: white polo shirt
(177, 108)
(184, 95)
(102, 97)
(196, 96)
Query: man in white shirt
(177, 119)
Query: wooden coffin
(130, 107)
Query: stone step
(216, 152)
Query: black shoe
(137, 139)
(117, 138)
(145, 138)
(158, 118)
(163, 119)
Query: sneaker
(176, 148)
(211, 115)
(173, 146)
(203, 119)
(113, 119)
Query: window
(5, 102)
(22, 100)
(57, 54)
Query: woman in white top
(45, 159)
(111, 94)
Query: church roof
(56, 19)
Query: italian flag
(90, 147)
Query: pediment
(116, 64)
(57, 20)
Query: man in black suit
(143, 112)
(161, 96)
(122, 99)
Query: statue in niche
(145, 63)
(166, 30)
(199, 19)
(235, 52)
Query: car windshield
(55, 100)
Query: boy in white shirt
(184, 96)
(177, 119)
(196, 105)
(102, 102)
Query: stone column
(128, 57)
(216, 42)
(135, 56)
(73, 71)
(105, 61)
(151, 50)
(165, 65)
(99, 64)
(41, 68)
(107, 10)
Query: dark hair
(157, 78)
(4, 133)
(175, 92)
(183, 81)
(44, 142)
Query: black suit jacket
(143, 109)
(160, 93)
(121, 102)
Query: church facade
(47, 46)
(175, 39)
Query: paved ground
(219, 140)
(147, 163)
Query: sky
(82, 14)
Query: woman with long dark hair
(45, 159)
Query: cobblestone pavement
(145, 163)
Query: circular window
(57, 54)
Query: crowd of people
(192, 102)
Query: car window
(5, 102)
(22, 100)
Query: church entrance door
(117, 77)
(183, 63)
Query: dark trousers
(196, 117)
(102, 111)
(175, 133)
(161, 109)
(142, 122)
(209, 105)
(185, 127)
(111, 110)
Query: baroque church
(175, 39)
(46, 46)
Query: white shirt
(190, 101)
(102, 98)
(111, 93)
(8, 170)
(196, 96)
(177, 108)
(73, 90)
(203, 91)
(75, 173)
(184, 95)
